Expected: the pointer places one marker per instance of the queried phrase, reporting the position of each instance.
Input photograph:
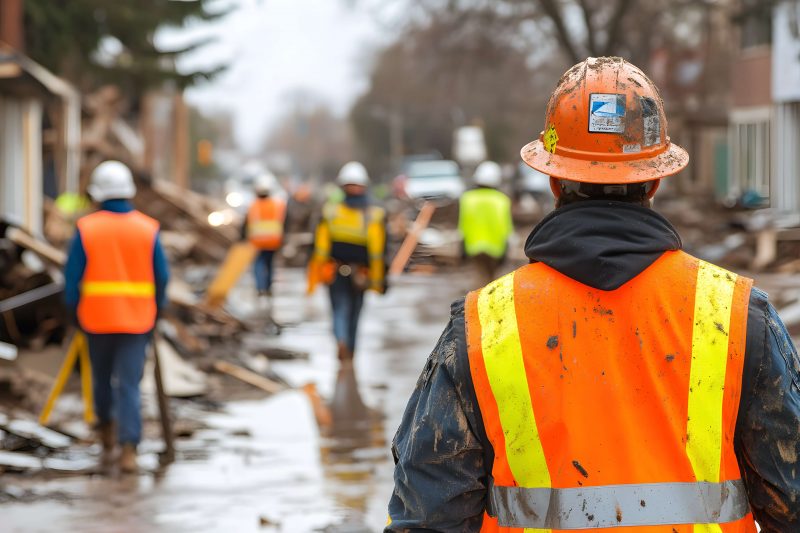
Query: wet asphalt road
(266, 465)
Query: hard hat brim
(671, 161)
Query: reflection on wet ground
(267, 465)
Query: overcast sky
(274, 48)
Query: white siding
(786, 153)
(21, 163)
(750, 153)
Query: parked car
(439, 179)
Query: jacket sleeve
(440, 462)
(767, 438)
(73, 272)
(160, 272)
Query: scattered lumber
(249, 377)
(410, 243)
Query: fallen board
(249, 377)
(239, 258)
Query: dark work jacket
(345, 252)
(443, 458)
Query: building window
(756, 22)
(750, 157)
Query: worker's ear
(652, 191)
(555, 187)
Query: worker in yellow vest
(349, 254)
(264, 229)
(115, 282)
(615, 383)
(484, 219)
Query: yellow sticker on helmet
(550, 139)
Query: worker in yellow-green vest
(349, 254)
(485, 221)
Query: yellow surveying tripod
(78, 352)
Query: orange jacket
(265, 223)
(118, 287)
(612, 408)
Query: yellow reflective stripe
(502, 355)
(265, 228)
(712, 317)
(118, 288)
(349, 235)
(505, 369)
(266, 225)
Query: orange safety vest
(265, 223)
(118, 292)
(614, 408)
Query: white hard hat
(265, 183)
(111, 180)
(353, 173)
(488, 174)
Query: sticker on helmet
(550, 139)
(631, 148)
(606, 113)
(652, 122)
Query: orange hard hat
(605, 123)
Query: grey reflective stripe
(649, 504)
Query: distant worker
(616, 382)
(115, 281)
(484, 219)
(264, 229)
(349, 254)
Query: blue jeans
(262, 270)
(117, 368)
(346, 302)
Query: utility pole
(11, 30)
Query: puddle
(266, 465)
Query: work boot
(344, 352)
(127, 459)
(107, 435)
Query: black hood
(603, 244)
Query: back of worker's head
(488, 174)
(111, 180)
(570, 192)
(353, 178)
(605, 135)
(265, 184)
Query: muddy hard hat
(605, 123)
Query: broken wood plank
(410, 243)
(20, 238)
(35, 433)
(249, 377)
(238, 260)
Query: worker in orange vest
(264, 229)
(615, 381)
(115, 282)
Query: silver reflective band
(649, 504)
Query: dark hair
(575, 191)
